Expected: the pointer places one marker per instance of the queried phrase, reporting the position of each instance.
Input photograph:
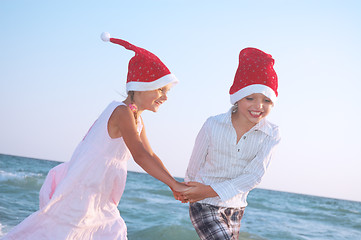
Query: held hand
(180, 187)
(177, 191)
(197, 192)
(178, 196)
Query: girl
(79, 198)
(232, 150)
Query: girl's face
(151, 100)
(254, 108)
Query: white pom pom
(105, 37)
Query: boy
(233, 150)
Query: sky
(57, 76)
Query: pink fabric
(79, 198)
(53, 179)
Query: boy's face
(254, 107)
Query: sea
(150, 211)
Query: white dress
(79, 198)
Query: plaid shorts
(213, 222)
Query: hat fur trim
(148, 86)
(254, 88)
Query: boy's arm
(251, 175)
(199, 153)
(198, 191)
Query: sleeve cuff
(225, 190)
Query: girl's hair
(135, 112)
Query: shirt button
(244, 137)
(237, 150)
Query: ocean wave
(2, 230)
(24, 179)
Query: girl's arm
(143, 137)
(122, 124)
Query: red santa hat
(255, 74)
(145, 70)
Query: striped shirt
(232, 169)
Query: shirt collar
(264, 126)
